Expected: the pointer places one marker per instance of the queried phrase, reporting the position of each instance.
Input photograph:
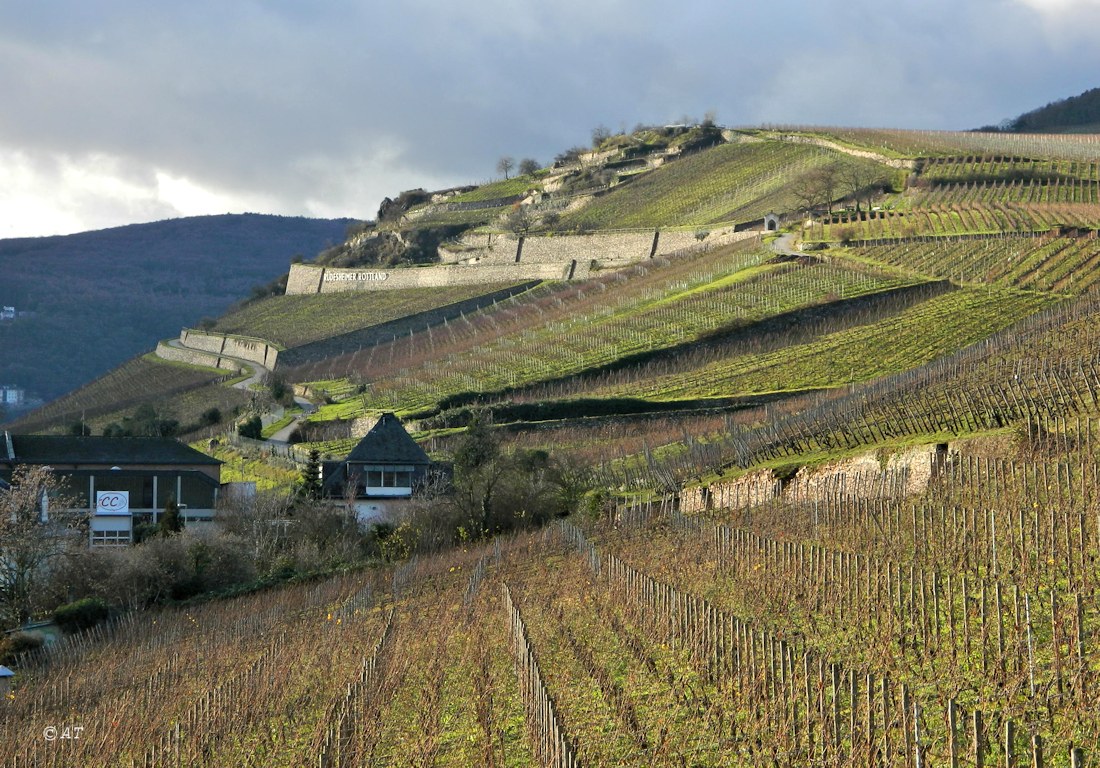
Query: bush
(81, 614)
(845, 235)
(143, 531)
(17, 643)
(253, 428)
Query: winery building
(121, 481)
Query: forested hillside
(89, 301)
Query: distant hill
(1077, 114)
(89, 301)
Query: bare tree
(505, 165)
(819, 188)
(36, 523)
(863, 181)
(263, 521)
(520, 220)
(827, 177)
(528, 165)
(600, 134)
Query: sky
(124, 111)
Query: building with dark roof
(121, 481)
(385, 469)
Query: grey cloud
(273, 99)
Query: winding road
(257, 376)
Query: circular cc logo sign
(113, 502)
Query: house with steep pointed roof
(385, 469)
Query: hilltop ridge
(1074, 114)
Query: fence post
(952, 723)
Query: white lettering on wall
(344, 277)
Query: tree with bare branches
(37, 523)
(863, 182)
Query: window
(138, 486)
(396, 477)
(110, 538)
(166, 490)
(197, 492)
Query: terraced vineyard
(295, 320)
(909, 144)
(958, 219)
(676, 305)
(843, 510)
(1059, 264)
(849, 631)
(917, 335)
(970, 169)
(317, 672)
(1038, 375)
(496, 190)
(731, 183)
(143, 379)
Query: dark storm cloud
(324, 108)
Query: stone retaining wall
(493, 260)
(307, 278)
(864, 476)
(608, 250)
(195, 357)
(247, 348)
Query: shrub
(845, 235)
(81, 614)
(253, 428)
(143, 531)
(17, 643)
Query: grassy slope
(140, 380)
(295, 320)
(734, 182)
(669, 307)
(918, 335)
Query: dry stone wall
(864, 476)
(306, 278)
(510, 259)
(748, 491)
(195, 357)
(246, 348)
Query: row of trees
(527, 166)
(821, 187)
